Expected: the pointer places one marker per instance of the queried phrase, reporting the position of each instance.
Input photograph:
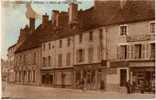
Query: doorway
(123, 77)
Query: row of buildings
(106, 45)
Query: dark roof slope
(134, 11)
(103, 13)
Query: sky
(13, 18)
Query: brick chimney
(55, 17)
(23, 33)
(73, 13)
(32, 24)
(45, 19)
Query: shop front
(47, 78)
(89, 76)
(63, 77)
(142, 76)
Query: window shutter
(77, 56)
(128, 51)
(118, 52)
(132, 52)
(147, 50)
(83, 54)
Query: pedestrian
(102, 85)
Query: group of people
(142, 86)
(86, 84)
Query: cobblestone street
(30, 92)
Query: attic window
(123, 30)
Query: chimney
(73, 13)
(32, 24)
(122, 3)
(45, 19)
(55, 17)
(23, 34)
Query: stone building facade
(111, 45)
(11, 57)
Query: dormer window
(123, 30)
(152, 27)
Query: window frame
(150, 28)
(121, 32)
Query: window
(34, 58)
(49, 46)
(80, 55)
(43, 46)
(68, 58)
(60, 43)
(80, 38)
(49, 60)
(152, 27)
(44, 61)
(24, 59)
(138, 51)
(123, 52)
(100, 34)
(90, 36)
(90, 54)
(152, 51)
(60, 59)
(123, 30)
(68, 42)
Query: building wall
(138, 30)
(27, 66)
(96, 44)
(11, 57)
(134, 29)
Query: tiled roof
(134, 11)
(104, 13)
